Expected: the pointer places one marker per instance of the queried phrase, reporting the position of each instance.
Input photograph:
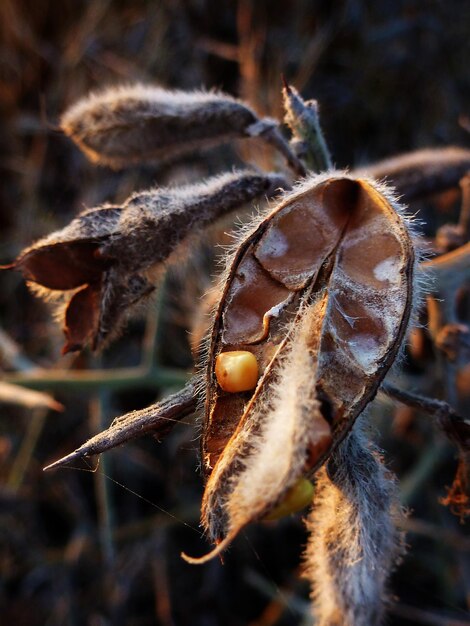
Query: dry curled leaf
(320, 292)
(107, 257)
(124, 125)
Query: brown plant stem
(158, 419)
(464, 221)
(268, 130)
(456, 427)
(21, 463)
(438, 408)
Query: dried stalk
(157, 419)
(456, 427)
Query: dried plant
(320, 292)
(139, 122)
(117, 127)
(354, 542)
(85, 258)
(313, 309)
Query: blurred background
(97, 548)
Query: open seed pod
(314, 308)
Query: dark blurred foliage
(76, 547)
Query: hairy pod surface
(125, 125)
(107, 257)
(320, 292)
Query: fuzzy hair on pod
(109, 257)
(420, 173)
(307, 138)
(155, 222)
(129, 124)
(320, 290)
(271, 446)
(354, 543)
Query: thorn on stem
(285, 84)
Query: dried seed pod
(423, 172)
(158, 419)
(107, 256)
(353, 540)
(125, 125)
(307, 137)
(320, 292)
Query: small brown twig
(457, 429)
(450, 236)
(29, 398)
(11, 353)
(438, 408)
(464, 221)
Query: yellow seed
(297, 498)
(236, 371)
